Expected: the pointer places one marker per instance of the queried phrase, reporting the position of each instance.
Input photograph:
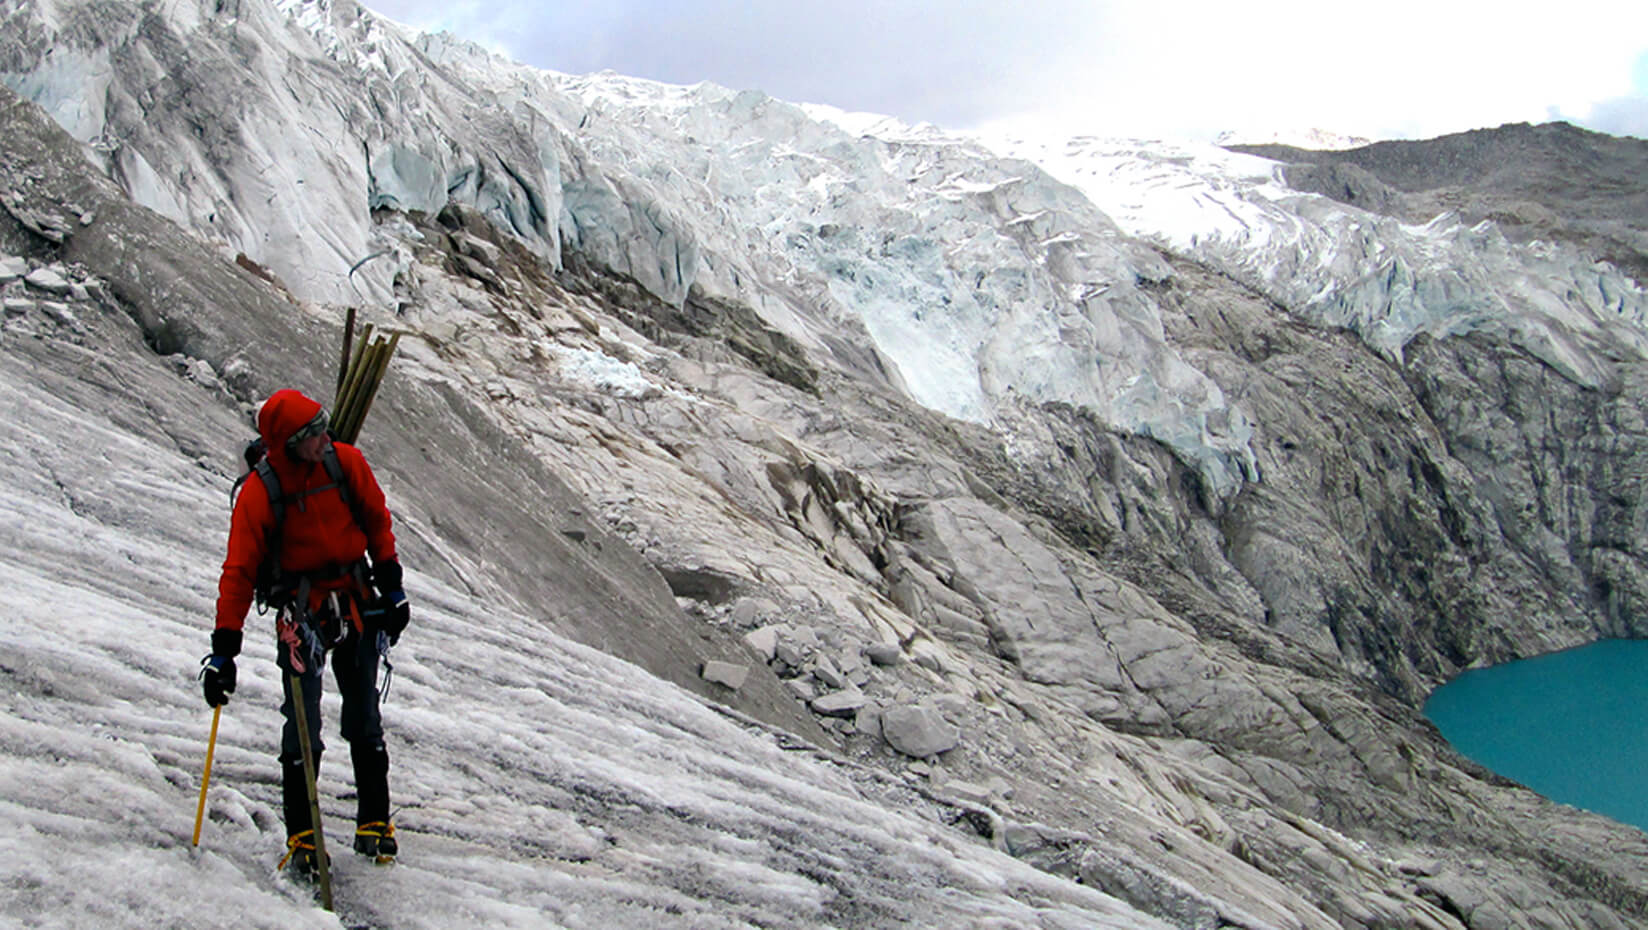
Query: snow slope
(1340, 267)
(539, 783)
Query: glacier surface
(644, 807)
(986, 273)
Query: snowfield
(538, 783)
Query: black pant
(355, 666)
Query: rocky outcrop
(1554, 182)
(1046, 605)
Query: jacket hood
(284, 413)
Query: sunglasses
(309, 430)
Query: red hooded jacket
(318, 531)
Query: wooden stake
(343, 359)
(325, 864)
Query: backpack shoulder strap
(334, 470)
(271, 484)
(269, 570)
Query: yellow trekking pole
(206, 777)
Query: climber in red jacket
(305, 521)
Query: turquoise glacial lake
(1571, 725)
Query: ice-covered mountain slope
(1553, 182)
(672, 426)
(275, 129)
(975, 284)
(991, 283)
(1340, 266)
(547, 784)
(539, 783)
(985, 283)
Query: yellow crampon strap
(294, 843)
(377, 828)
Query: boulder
(725, 673)
(788, 653)
(48, 280)
(11, 268)
(763, 642)
(752, 610)
(884, 654)
(966, 791)
(831, 676)
(840, 703)
(849, 661)
(917, 731)
(869, 719)
(479, 249)
(929, 661)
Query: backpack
(269, 588)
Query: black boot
(294, 796)
(301, 861)
(374, 834)
(377, 840)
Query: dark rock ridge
(1552, 181)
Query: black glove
(217, 671)
(395, 614)
(392, 613)
(386, 576)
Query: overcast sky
(1387, 69)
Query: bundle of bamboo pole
(360, 371)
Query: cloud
(940, 61)
(1621, 116)
(1401, 68)
(951, 62)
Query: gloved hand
(396, 614)
(392, 612)
(217, 671)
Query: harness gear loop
(388, 668)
